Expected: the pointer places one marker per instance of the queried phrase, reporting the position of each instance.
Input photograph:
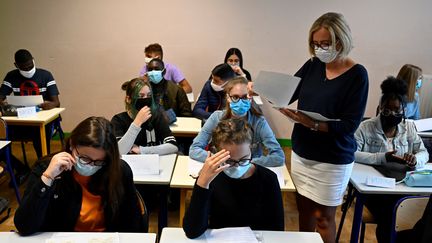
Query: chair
(144, 213)
(407, 212)
(6, 151)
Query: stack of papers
(84, 238)
(228, 235)
(143, 164)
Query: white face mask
(326, 56)
(216, 87)
(147, 60)
(30, 73)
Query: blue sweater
(344, 98)
(208, 102)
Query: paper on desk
(26, 111)
(279, 173)
(143, 164)
(228, 235)
(257, 99)
(277, 88)
(194, 167)
(423, 124)
(84, 238)
(379, 181)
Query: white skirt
(323, 183)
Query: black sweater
(56, 208)
(255, 202)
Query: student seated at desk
(238, 105)
(166, 93)
(143, 130)
(212, 97)
(29, 80)
(231, 190)
(389, 138)
(412, 75)
(86, 188)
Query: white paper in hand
(317, 116)
(277, 88)
(143, 164)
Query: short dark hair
(23, 56)
(155, 47)
(234, 51)
(159, 61)
(224, 71)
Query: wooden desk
(40, 120)
(181, 179)
(11, 237)
(186, 127)
(358, 180)
(176, 235)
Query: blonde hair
(339, 31)
(228, 87)
(410, 73)
(231, 131)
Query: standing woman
(323, 152)
(85, 188)
(412, 75)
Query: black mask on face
(141, 102)
(390, 121)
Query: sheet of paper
(317, 116)
(143, 164)
(194, 167)
(84, 238)
(26, 111)
(257, 99)
(28, 100)
(190, 97)
(277, 88)
(423, 124)
(231, 235)
(279, 173)
(385, 182)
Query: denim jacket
(263, 136)
(372, 142)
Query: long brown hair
(228, 87)
(410, 73)
(97, 132)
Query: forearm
(127, 141)
(195, 221)
(163, 149)
(369, 158)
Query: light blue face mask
(155, 76)
(85, 169)
(237, 171)
(241, 107)
(418, 84)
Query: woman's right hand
(59, 163)
(142, 116)
(213, 165)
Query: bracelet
(316, 126)
(47, 176)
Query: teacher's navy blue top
(344, 98)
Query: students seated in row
(212, 97)
(142, 127)
(86, 188)
(238, 105)
(172, 72)
(29, 80)
(231, 190)
(165, 93)
(385, 139)
(412, 75)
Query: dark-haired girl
(86, 188)
(389, 138)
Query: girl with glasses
(238, 105)
(230, 191)
(85, 188)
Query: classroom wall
(91, 47)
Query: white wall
(91, 47)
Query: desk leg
(183, 193)
(163, 210)
(358, 214)
(43, 140)
(11, 173)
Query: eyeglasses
(325, 45)
(241, 162)
(237, 98)
(387, 112)
(86, 160)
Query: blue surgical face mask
(241, 107)
(237, 171)
(418, 84)
(85, 169)
(155, 76)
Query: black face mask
(141, 102)
(390, 121)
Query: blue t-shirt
(344, 98)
